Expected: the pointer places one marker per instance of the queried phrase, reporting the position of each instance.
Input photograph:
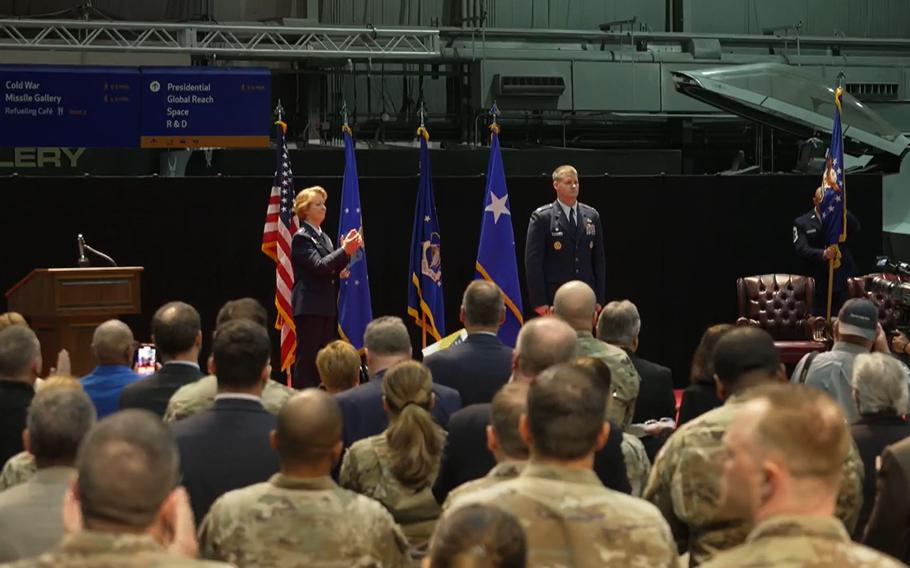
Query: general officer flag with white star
(833, 207)
(496, 260)
(354, 307)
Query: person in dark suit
(317, 266)
(479, 366)
(701, 395)
(565, 242)
(20, 365)
(227, 447)
(386, 342)
(177, 333)
(809, 240)
(880, 389)
(542, 343)
(888, 529)
(619, 324)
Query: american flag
(280, 226)
(833, 207)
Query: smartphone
(145, 359)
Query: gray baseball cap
(858, 317)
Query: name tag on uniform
(810, 231)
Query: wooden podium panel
(64, 305)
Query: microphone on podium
(83, 246)
(82, 261)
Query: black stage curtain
(675, 244)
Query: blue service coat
(554, 255)
(316, 264)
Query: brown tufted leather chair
(888, 311)
(781, 304)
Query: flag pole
(494, 113)
(279, 322)
(841, 82)
(423, 317)
(423, 331)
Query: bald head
(575, 303)
(309, 430)
(544, 342)
(112, 343)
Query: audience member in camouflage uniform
(575, 303)
(478, 535)
(782, 466)
(685, 478)
(18, 469)
(300, 517)
(399, 466)
(569, 517)
(503, 440)
(199, 396)
(638, 466)
(132, 514)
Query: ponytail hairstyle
(415, 441)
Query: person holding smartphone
(317, 267)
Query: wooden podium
(65, 305)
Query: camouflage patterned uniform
(90, 549)
(626, 381)
(199, 396)
(18, 469)
(301, 522)
(638, 466)
(685, 485)
(800, 541)
(504, 471)
(571, 519)
(367, 469)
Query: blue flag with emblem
(496, 259)
(354, 307)
(833, 207)
(425, 301)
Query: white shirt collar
(188, 363)
(237, 395)
(566, 209)
(483, 333)
(314, 227)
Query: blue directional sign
(69, 106)
(205, 106)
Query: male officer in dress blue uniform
(565, 242)
(809, 241)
